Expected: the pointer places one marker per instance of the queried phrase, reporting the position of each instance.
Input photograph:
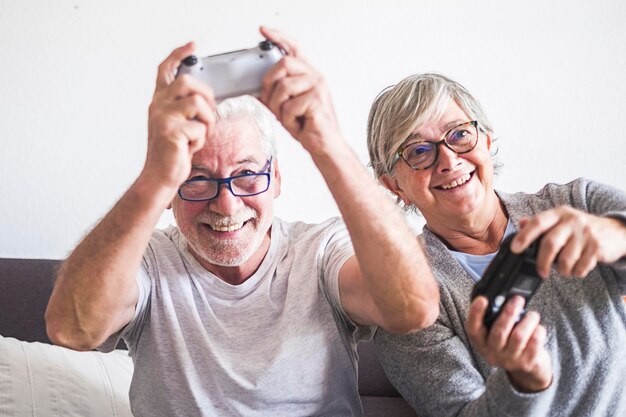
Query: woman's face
(455, 185)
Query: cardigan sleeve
(438, 376)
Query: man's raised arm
(389, 282)
(96, 292)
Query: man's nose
(226, 203)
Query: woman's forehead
(450, 116)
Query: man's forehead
(236, 142)
(243, 125)
(218, 158)
(221, 161)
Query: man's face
(228, 230)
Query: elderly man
(236, 312)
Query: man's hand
(181, 117)
(299, 98)
(96, 291)
(576, 240)
(388, 282)
(518, 349)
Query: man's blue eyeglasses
(244, 185)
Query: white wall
(76, 78)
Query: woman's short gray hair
(400, 110)
(264, 120)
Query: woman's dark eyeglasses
(422, 155)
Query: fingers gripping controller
(234, 73)
(507, 275)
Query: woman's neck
(479, 233)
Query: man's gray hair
(402, 109)
(264, 120)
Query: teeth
(226, 227)
(456, 183)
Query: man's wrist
(335, 147)
(147, 189)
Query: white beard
(229, 252)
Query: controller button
(266, 45)
(190, 61)
(499, 300)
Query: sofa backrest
(26, 285)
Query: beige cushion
(41, 380)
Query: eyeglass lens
(461, 139)
(242, 186)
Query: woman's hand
(575, 240)
(519, 348)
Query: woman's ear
(392, 185)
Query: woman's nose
(447, 159)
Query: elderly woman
(429, 142)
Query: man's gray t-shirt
(280, 344)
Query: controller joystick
(190, 61)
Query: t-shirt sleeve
(131, 330)
(336, 252)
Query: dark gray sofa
(26, 284)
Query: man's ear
(277, 178)
(392, 185)
(488, 142)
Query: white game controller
(234, 73)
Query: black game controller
(507, 275)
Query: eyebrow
(246, 160)
(446, 127)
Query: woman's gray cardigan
(440, 374)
